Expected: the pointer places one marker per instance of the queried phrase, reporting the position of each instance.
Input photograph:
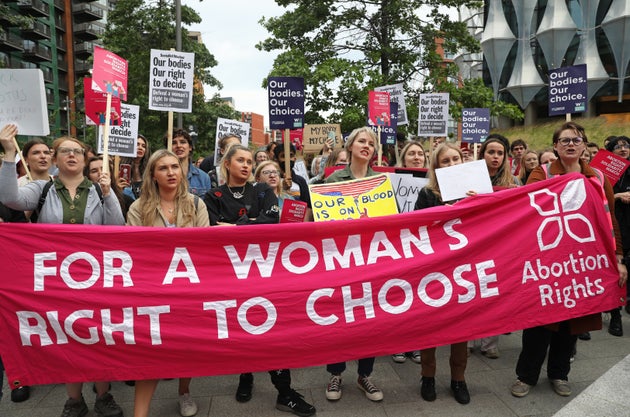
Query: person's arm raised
(7, 140)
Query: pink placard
(378, 108)
(96, 104)
(613, 166)
(293, 211)
(148, 303)
(109, 74)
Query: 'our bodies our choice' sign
(475, 125)
(116, 308)
(568, 90)
(286, 102)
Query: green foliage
(135, 27)
(345, 48)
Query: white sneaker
(333, 390)
(399, 357)
(416, 357)
(366, 385)
(187, 406)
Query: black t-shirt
(258, 205)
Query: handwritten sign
(23, 101)
(317, 134)
(171, 81)
(354, 199)
(123, 136)
(433, 116)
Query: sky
(230, 31)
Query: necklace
(236, 194)
(170, 210)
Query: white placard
(406, 189)
(397, 95)
(171, 81)
(23, 101)
(230, 127)
(433, 114)
(123, 138)
(455, 181)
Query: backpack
(42, 199)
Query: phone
(124, 171)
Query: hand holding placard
(7, 140)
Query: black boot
(460, 392)
(427, 390)
(244, 390)
(614, 327)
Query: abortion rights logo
(558, 211)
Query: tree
(345, 48)
(135, 27)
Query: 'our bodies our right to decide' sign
(171, 81)
(286, 102)
(433, 117)
(123, 135)
(568, 90)
(475, 125)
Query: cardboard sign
(23, 101)
(568, 90)
(316, 135)
(171, 81)
(123, 135)
(109, 74)
(378, 108)
(293, 211)
(354, 199)
(397, 95)
(613, 166)
(286, 102)
(433, 114)
(96, 105)
(475, 125)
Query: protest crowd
(66, 184)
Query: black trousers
(280, 378)
(536, 342)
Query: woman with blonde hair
(445, 155)
(412, 156)
(165, 202)
(269, 173)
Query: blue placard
(286, 102)
(475, 125)
(388, 133)
(568, 90)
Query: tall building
(522, 40)
(59, 41)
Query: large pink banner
(119, 303)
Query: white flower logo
(554, 209)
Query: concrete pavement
(489, 382)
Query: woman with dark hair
(361, 146)
(494, 150)
(138, 165)
(93, 171)
(556, 341)
(38, 159)
(240, 202)
(165, 202)
(445, 155)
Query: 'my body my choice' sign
(196, 298)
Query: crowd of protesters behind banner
(168, 189)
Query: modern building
(59, 41)
(522, 40)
